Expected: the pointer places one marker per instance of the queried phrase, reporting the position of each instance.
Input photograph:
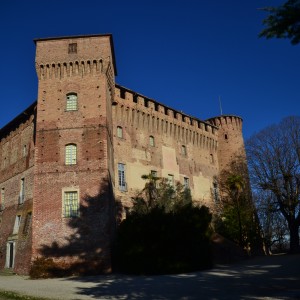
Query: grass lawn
(4, 295)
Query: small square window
(73, 48)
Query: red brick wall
(18, 164)
(85, 239)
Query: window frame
(72, 48)
(2, 199)
(71, 104)
(71, 154)
(186, 183)
(120, 133)
(71, 209)
(27, 223)
(17, 224)
(122, 177)
(21, 199)
(151, 141)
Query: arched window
(151, 141)
(71, 102)
(71, 154)
(119, 132)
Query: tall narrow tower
(230, 140)
(73, 203)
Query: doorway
(10, 254)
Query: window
(183, 150)
(2, 199)
(216, 192)
(119, 132)
(226, 136)
(151, 141)
(27, 224)
(71, 154)
(17, 224)
(186, 183)
(71, 204)
(211, 158)
(153, 173)
(171, 179)
(24, 150)
(72, 48)
(121, 177)
(71, 102)
(22, 191)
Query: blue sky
(183, 53)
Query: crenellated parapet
(146, 113)
(59, 70)
(231, 142)
(227, 122)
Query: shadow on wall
(88, 249)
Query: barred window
(151, 141)
(71, 204)
(71, 102)
(121, 177)
(71, 154)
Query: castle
(83, 146)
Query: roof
(23, 116)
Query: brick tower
(230, 140)
(73, 203)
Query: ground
(272, 277)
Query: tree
(274, 166)
(163, 232)
(237, 219)
(159, 193)
(274, 226)
(283, 22)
